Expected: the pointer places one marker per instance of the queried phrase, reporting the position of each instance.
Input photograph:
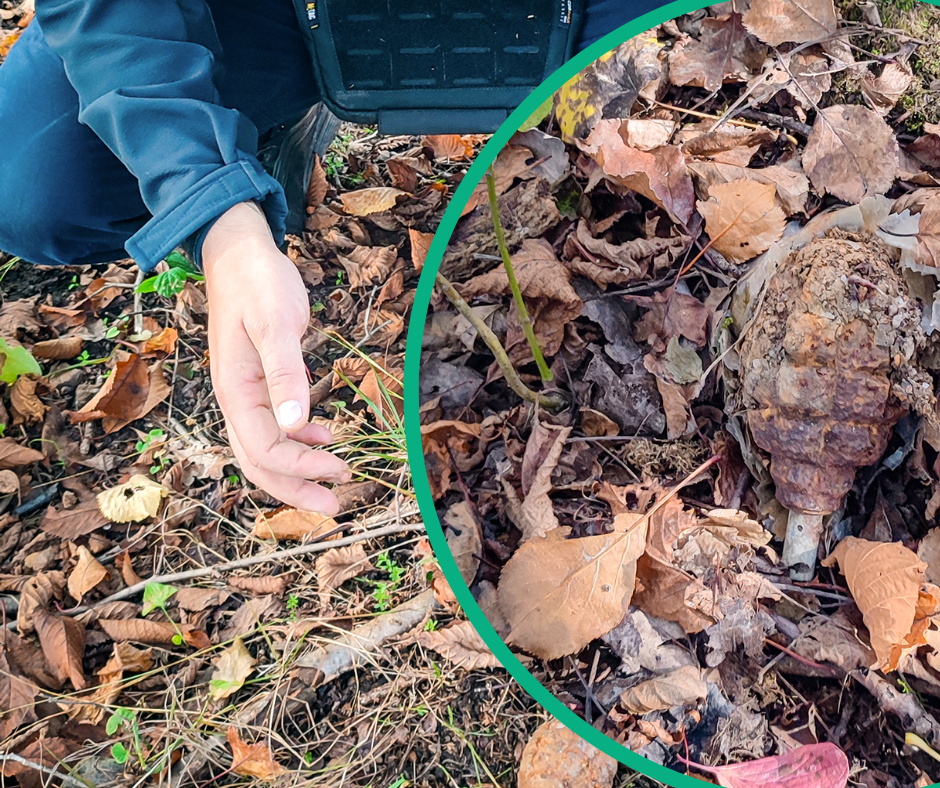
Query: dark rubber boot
(288, 154)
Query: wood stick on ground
(275, 557)
(904, 706)
(550, 401)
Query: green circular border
(412, 419)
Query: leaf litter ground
(164, 623)
(629, 542)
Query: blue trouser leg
(602, 16)
(65, 198)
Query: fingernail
(289, 413)
(346, 478)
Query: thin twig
(277, 555)
(524, 318)
(492, 342)
(66, 779)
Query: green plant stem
(550, 401)
(524, 318)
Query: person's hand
(258, 312)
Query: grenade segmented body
(826, 365)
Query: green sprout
(154, 436)
(171, 282)
(17, 361)
(156, 595)
(123, 716)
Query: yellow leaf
(133, 501)
(234, 665)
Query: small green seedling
(156, 595)
(123, 716)
(385, 588)
(171, 282)
(147, 442)
(234, 480)
(431, 625)
(339, 278)
(74, 284)
(293, 603)
(16, 361)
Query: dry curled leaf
(367, 201)
(140, 630)
(464, 539)
(338, 565)
(12, 455)
(252, 760)
(885, 580)
(132, 502)
(58, 349)
(809, 766)
(63, 643)
(72, 523)
(455, 147)
(557, 758)
(294, 524)
(778, 22)
(927, 251)
(723, 51)
(851, 152)
(420, 244)
(742, 218)
(559, 594)
(233, 666)
(660, 174)
(88, 572)
(17, 698)
(682, 687)
(461, 645)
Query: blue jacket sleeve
(146, 73)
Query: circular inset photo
(670, 394)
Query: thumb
(286, 377)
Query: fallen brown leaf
(252, 760)
(681, 687)
(63, 643)
(318, 186)
(58, 349)
(455, 147)
(17, 699)
(851, 152)
(778, 22)
(461, 645)
(559, 594)
(82, 519)
(294, 524)
(464, 539)
(742, 219)
(420, 243)
(927, 251)
(368, 201)
(88, 572)
(660, 174)
(443, 440)
(13, 455)
(723, 51)
(338, 565)
(367, 265)
(26, 405)
(885, 580)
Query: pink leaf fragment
(810, 766)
